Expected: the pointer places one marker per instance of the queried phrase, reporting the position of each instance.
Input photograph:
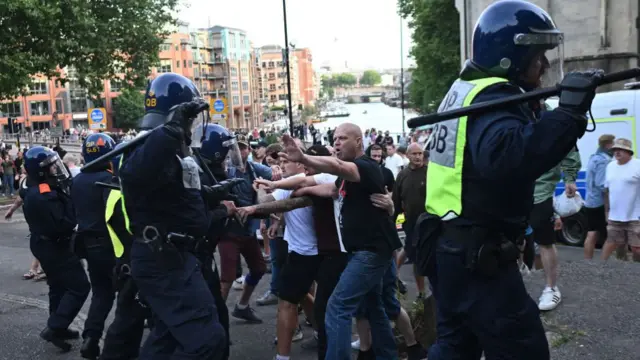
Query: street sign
(218, 107)
(218, 116)
(97, 118)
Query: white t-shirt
(395, 164)
(299, 231)
(331, 179)
(623, 182)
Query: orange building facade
(306, 76)
(219, 61)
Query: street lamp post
(402, 75)
(285, 55)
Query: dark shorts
(297, 276)
(596, 220)
(541, 221)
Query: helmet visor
(198, 124)
(57, 170)
(234, 158)
(547, 65)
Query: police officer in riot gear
(124, 335)
(162, 194)
(213, 145)
(481, 177)
(49, 213)
(93, 241)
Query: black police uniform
(161, 189)
(93, 242)
(124, 335)
(218, 215)
(51, 219)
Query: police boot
(90, 348)
(56, 338)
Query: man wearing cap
(622, 182)
(595, 198)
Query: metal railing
(72, 140)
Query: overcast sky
(364, 33)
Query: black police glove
(578, 89)
(180, 123)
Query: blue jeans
(390, 300)
(8, 184)
(360, 284)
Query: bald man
(368, 234)
(409, 195)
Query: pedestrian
(49, 213)
(481, 180)
(162, 193)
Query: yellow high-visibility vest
(446, 150)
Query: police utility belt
(485, 251)
(158, 242)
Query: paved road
(23, 311)
(596, 319)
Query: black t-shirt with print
(364, 226)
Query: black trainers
(90, 348)
(56, 338)
(247, 314)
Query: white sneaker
(356, 345)
(298, 335)
(238, 284)
(549, 299)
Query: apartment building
(598, 33)
(274, 75)
(223, 69)
(219, 60)
(306, 78)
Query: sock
(280, 357)
(241, 307)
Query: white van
(614, 113)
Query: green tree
(128, 109)
(370, 78)
(436, 50)
(345, 79)
(99, 39)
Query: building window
(165, 47)
(39, 107)
(11, 109)
(232, 40)
(245, 100)
(38, 87)
(264, 64)
(234, 85)
(177, 64)
(79, 105)
(184, 63)
(190, 64)
(282, 97)
(183, 47)
(272, 87)
(177, 47)
(115, 84)
(165, 66)
(245, 86)
(244, 72)
(59, 106)
(236, 99)
(273, 98)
